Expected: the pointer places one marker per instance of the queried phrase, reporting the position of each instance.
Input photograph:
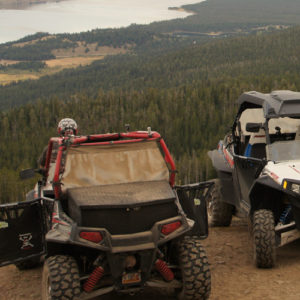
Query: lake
(82, 15)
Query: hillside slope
(187, 95)
(273, 55)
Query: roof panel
(276, 104)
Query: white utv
(258, 166)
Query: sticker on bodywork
(26, 238)
(197, 201)
(3, 225)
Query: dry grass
(72, 62)
(33, 41)
(6, 62)
(8, 78)
(53, 66)
(82, 55)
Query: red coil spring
(164, 270)
(93, 279)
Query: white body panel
(283, 170)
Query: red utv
(107, 217)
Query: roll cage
(102, 140)
(268, 110)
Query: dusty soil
(234, 276)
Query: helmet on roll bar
(67, 126)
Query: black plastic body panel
(22, 231)
(246, 170)
(228, 189)
(126, 220)
(192, 198)
(123, 208)
(296, 215)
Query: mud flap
(192, 198)
(22, 231)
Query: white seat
(257, 145)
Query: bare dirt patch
(234, 277)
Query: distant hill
(213, 19)
(18, 4)
(256, 55)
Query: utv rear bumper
(71, 234)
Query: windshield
(113, 164)
(284, 150)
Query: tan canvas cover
(113, 164)
(255, 115)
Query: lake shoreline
(61, 16)
(15, 4)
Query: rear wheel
(219, 211)
(194, 269)
(60, 278)
(264, 238)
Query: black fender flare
(262, 186)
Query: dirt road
(234, 276)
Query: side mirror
(253, 127)
(26, 174)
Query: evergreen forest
(181, 85)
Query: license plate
(130, 278)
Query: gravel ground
(234, 277)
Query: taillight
(91, 236)
(169, 228)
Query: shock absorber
(93, 279)
(284, 217)
(164, 270)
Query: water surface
(82, 15)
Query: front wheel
(60, 279)
(194, 269)
(264, 238)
